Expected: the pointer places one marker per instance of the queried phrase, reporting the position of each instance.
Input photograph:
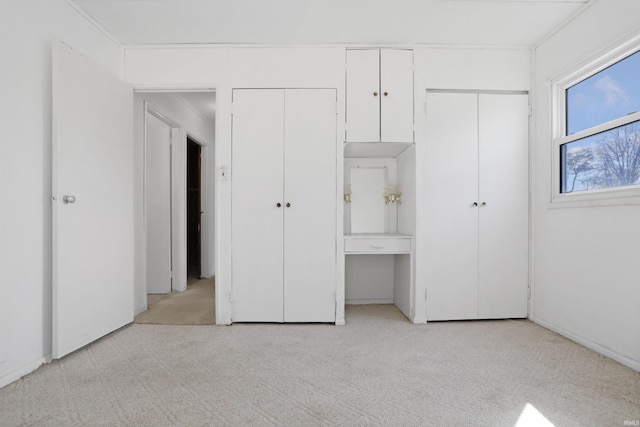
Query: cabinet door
(503, 211)
(363, 96)
(396, 89)
(310, 209)
(257, 226)
(451, 189)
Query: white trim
(599, 197)
(334, 45)
(625, 360)
(23, 370)
(480, 91)
(368, 301)
(95, 23)
(564, 23)
(172, 88)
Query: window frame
(605, 196)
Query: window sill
(621, 196)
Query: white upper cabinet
(396, 103)
(379, 95)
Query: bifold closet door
(451, 214)
(257, 189)
(310, 205)
(503, 136)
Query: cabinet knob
(278, 204)
(375, 93)
(386, 94)
(288, 204)
(483, 204)
(475, 204)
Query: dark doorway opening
(194, 209)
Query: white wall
(27, 31)
(174, 109)
(223, 69)
(585, 271)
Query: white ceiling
(461, 22)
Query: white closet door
(363, 95)
(310, 205)
(396, 102)
(257, 224)
(450, 193)
(503, 234)
(158, 200)
(93, 228)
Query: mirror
(368, 213)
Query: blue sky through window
(607, 95)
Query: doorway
(194, 210)
(189, 255)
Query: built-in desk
(377, 244)
(399, 245)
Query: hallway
(195, 306)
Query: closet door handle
(375, 93)
(288, 204)
(386, 94)
(475, 204)
(483, 204)
(278, 204)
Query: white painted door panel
(158, 205)
(503, 211)
(310, 205)
(396, 101)
(363, 95)
(93, 237)
(450, 193)
(257, 221)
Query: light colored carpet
(195, 306)
(378, 370)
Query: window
(598, 145)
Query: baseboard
(24, 370)
(368, 301)
(419, 320)
(621, 358)
(139, 310)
